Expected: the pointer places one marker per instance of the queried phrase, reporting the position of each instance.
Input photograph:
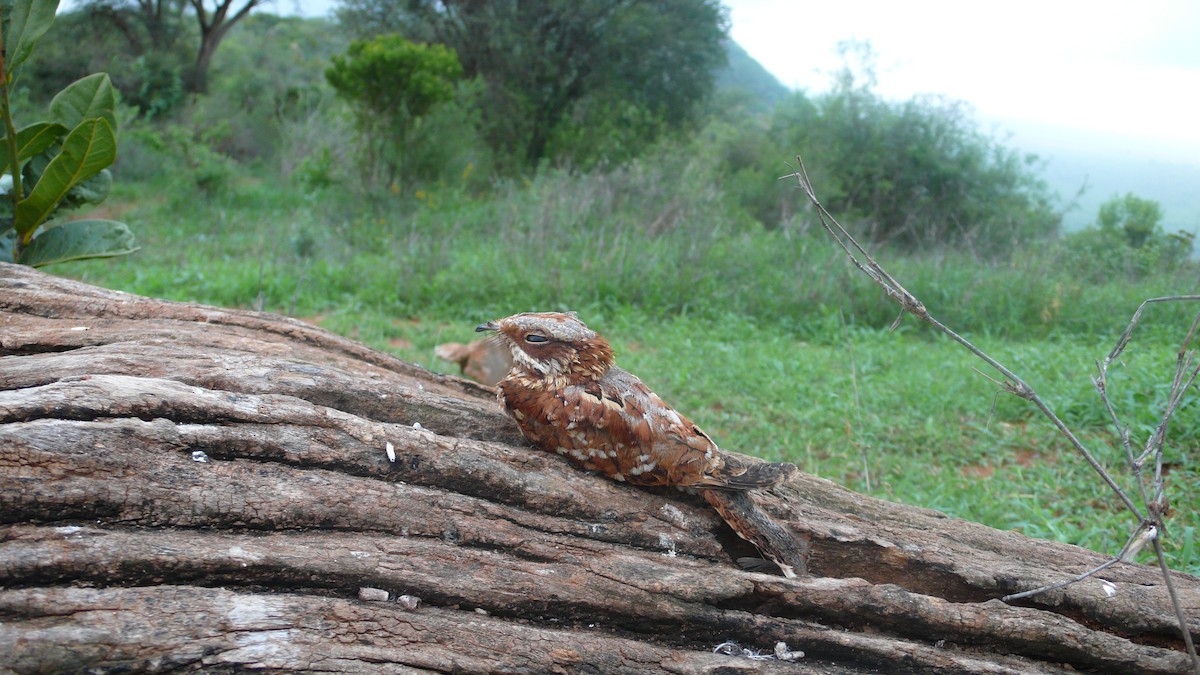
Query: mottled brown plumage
(568, 397)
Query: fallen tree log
(186, 487)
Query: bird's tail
(744, 517)
(738, 474)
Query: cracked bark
(120, 551)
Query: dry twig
(1150, 526)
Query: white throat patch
(550, 369)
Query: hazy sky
(1120, 78)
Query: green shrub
(1134, 218)
(392, 83)
(58, 164)
(1126, 243)
(445, 146)
(916, 174)
(159, 87)
(601, 131)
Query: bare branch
(1129, 544)
(1015, 385)
(1183, 629)
(1150, 524)
(1123, 341)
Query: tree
(157, 28)
(213, 27)
(1136, 218)
(550, 65)
(1127, 241)
(148, 25)
(915, 173)
(392, 83)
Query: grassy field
(768, 339)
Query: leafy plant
(567, 63)
(1135, 217)
(63, 162)
(1127, 241)
(392, 84)
(917, 174)
(204, 166)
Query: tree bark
(213, 28)
(187, 487)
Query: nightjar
(568, 397)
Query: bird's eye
(534, 337)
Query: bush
(392, 84)
(316, 138)
(189, 155)
(916, 174)
(1126, 243)
(446, 148)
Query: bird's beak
(491, 325)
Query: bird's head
(552, 346)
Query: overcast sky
(1121, 77)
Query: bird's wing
(691, 457)
(617, 426)
(663, 444)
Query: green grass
(768, 339)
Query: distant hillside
(1175, 186)
(746, 77)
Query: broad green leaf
(85, 98)
(89, 147)
(31, 140)
(91, 191)
(29, 22)
(77, 240)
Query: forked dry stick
(1150, 525)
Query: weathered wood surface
(120, 551)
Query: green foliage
(87, 149)
(604, 131)
(159, 88)
(64, 160)
(78, 240)
(1133, 216)
(554, 69)
(146, 60)
(661, 232)
(25, 24)
(1127, 242)
(207, 167)
(393, 83)
(392, 76)
(915, 174)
